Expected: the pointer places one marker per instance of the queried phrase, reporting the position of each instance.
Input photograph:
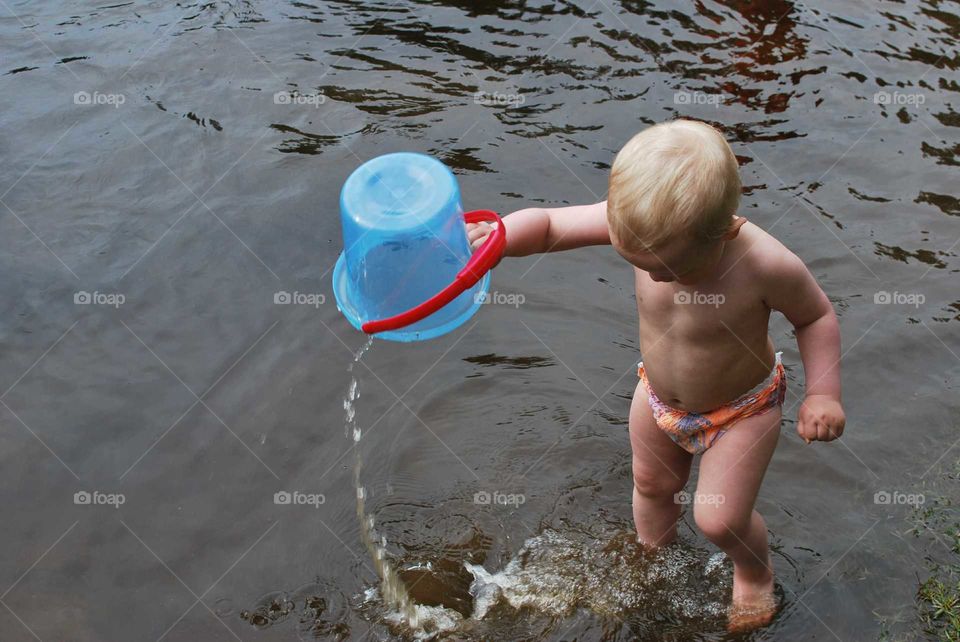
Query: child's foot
(754, 604)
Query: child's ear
(738, 222)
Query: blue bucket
(404, 241)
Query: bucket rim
(341, 292)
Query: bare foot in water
(754, 604)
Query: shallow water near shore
(186, 419)
(430, 592)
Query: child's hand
(477, 233)
(820, 418)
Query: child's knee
(656, 483)
(721, 527)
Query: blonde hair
(678, 178)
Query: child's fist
(477, 233)
(821, 418)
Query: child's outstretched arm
(536, 229)
(794, 292)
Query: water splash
(556, 572)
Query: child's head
(674, 190)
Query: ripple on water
(320, 609)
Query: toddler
(711, 382)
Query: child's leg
(730, 475)
(660, 470)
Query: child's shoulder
(764, 254)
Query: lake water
(179, 392)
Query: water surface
(188, 156)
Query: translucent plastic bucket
(406, 272)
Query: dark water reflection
(188, 156)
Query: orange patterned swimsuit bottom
(695, 432)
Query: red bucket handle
(482, 261)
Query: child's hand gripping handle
(482, 261)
